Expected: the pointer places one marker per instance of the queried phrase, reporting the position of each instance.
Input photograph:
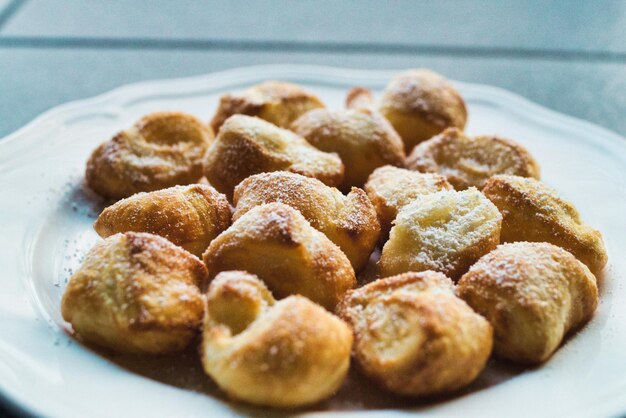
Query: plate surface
(45, 224)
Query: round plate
(45, 224)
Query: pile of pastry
(252, 230)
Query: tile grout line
(9, 11)
(305, 47)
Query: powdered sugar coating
(361, 137)
(282, 354)
(532, 211)
(275, 242)
(189, 216)
(136, 292)
(277, 102)
(533, 294)
(414, 336)
(248, 145)
(162, 150)
(446, 231)
(421, 103)
(470, 161)
(391, 188)
(348, 221)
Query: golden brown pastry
(189, 216)
(281, 354)
(392, 188)
(138, 293)
(532, 211)
(348, 221)
(275, 242)
(420, 104)
(414, 336)
(161, 150)
(362, 137)
(533, 294)
(445, 231)
(247, 145)
(359, 98)
(470, 161)
(274, 101)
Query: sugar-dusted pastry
(359, 98)
(248, 145)
(136, 292)
(414, 337)
(392, 188)
(470, 161)
(274, 101)
(275, 242)
(361, 137)
(533, 294)
(189, 216)
(420, 104)
(532, 211)
(161, 150)
(282, 354)
(348, 221)
(446, 231)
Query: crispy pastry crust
(532, 211)
(277, 102)
(471, 161)
(248, 145)
(348, 221)
(281, 354)
(392, 188)
(445, 231)
(533, 294)
(414, 336)
(361, 137)
(161, 150)
(138, 293)
(189, 216)
(420, 104)
(275, 242)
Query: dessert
(189, 216)
(137, 293)
(348, 221)
(247, 145)
(161, 150)
(282, 354)
(533, 294)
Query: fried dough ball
(532, 211)
(247, 145)
(274, 101)
(137, 293)
(348, 221)
(533, 294)
(161, 150)
(275, 242)
(420, 104)
(471, 161)
(281, 354)
(414, 336)
(362, 137)
(189, 216)
(446, 231)
(392, 188)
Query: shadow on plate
(184, 370)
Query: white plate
(45, 227)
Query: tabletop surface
(569, 56)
